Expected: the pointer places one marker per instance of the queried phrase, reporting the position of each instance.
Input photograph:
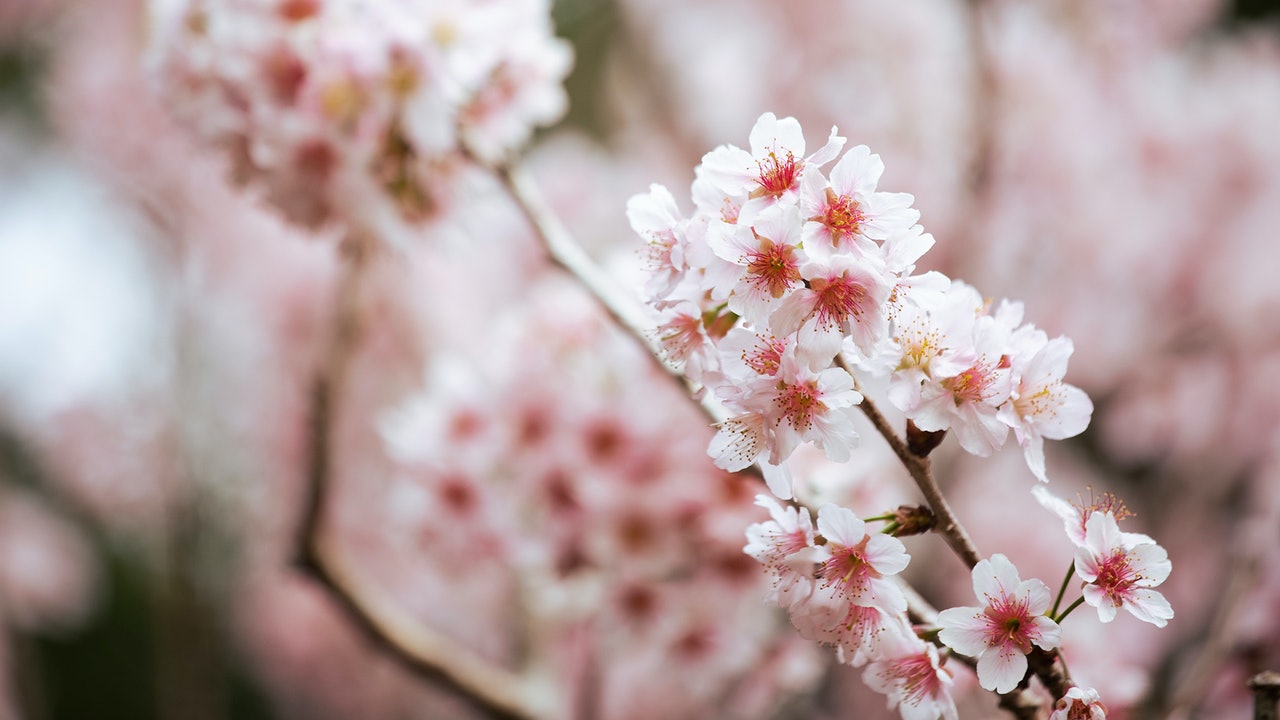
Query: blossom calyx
(911, 520)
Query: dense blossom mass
(359, 109)
(785, 294)
(785, 282)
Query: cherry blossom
(857, 563)
(859, 633)
(846, 214)
(771, 172)
(1120, 569)
(969, 401)
(657, 219)
(1079, 704)
(845, 296)
(1076, 516)
(769, 255)
(742, 440)
(1001, 631)
(747, 355)
(682, 338)
(357, 110)
(1040, 404)
(911, 675)
(788, 531)
(805, 406)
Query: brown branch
(918, 466)
(1266, 695)
(494, 690)
(566, 254)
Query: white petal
(964, 629)
(1001, 669)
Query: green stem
(878, 518)
(1070, 607)
(1062, 590)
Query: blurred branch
(494, 690)
(1266, 695)
(565, 253)
(1213, 648)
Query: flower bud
(912, 520)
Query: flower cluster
(562, 469)
(786, 280)
(358, 108)
(786, 287)
(1118, 568)
(839, 584)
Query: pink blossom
(1002, 630)
(969, 401)
(742, 440)
(1120, 569)
(788, 531)
(682, 338)
(747, 355)
(846, 214)
(768, 256)
(845, 297)
(932, 340)
(800, 406)
(1075, 516)
(771, 172)
(857, 563)
(915, 681)
(859, 633)
(1079, 704)
(1041, 405)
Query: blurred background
(510, 469)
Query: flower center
(1009, 623)
(972, 384)
(777, 175)
(658, 252)
(1116, 577)
(800, 404)
(838, 300)
(765, 356)
(842, 215)
(773, 267)
(848, 567)
(919, 678)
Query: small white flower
(1001, 631)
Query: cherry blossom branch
(920, 469)
(492, 689)
(1020, 703)
(568, 255)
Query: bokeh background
(509, 467)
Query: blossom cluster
(1119, 568)
(839, 584)
(786, 280)
(562, 469)
(359, 109)
(785, 294)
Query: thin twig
(570, 257)
(921, 472)
(496, 691)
